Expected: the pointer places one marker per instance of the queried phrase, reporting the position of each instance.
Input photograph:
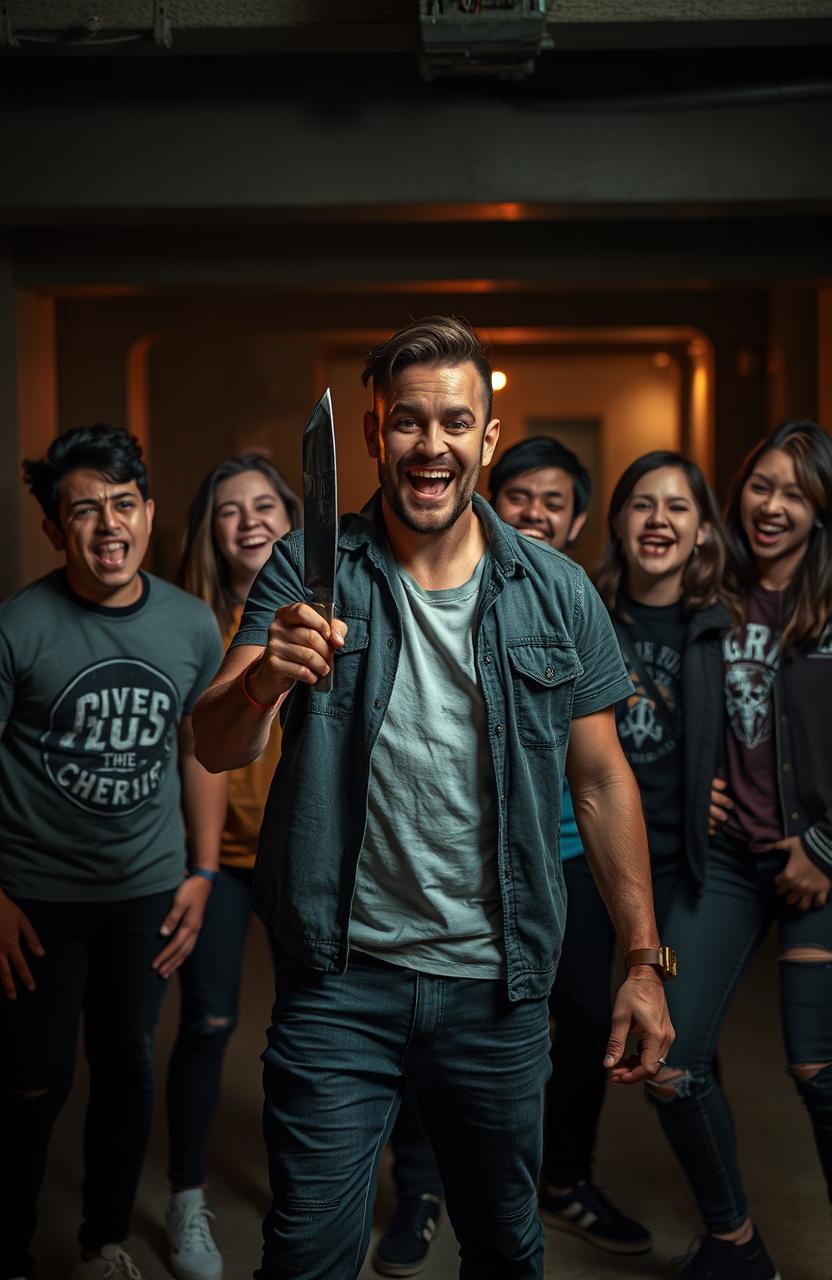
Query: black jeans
(414, 1165)
(716, 935)
(97, 962)
(339, 1051)
(210, 982)
(581, 1004)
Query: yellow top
(248, 789)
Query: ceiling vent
(481, 37)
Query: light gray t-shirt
(426, 893)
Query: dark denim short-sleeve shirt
(545, 651)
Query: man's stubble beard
(393, 496)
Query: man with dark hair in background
(543, 490)
(407, 867)
(100, 666)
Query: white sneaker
(112, 1264)
(193, 1254)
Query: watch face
(668, 961)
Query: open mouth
(656, 546)
(768, 532)
(532, 531)
(429, 482)
(111, 555)
(252, 543)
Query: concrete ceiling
(43, 27)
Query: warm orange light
(661, 360)
(498, 380)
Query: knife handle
(324, 685)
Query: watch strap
(662, 958)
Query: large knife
(320, 513)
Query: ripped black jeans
(210, 984)
(97, 963)
(716, 935)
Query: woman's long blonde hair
(202, 570)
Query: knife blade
(320, 513)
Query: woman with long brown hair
(771, 854)
(661, 578)
(241, 508)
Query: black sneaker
(404, 1247)
(586, 1212)
(721, 1260)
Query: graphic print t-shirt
(752, 654)
(651, 735)
(92, 698)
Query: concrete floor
(634, 1164)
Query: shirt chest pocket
(347, 672)
(543, 679)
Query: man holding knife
(409, 867)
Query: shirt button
(787, 767)
(498, 729)
(377, 703)
(795, 815)
(390, 642)
(487, 659)
(549, 673)
(508, 873)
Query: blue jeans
(716, 935)
(339, 1052)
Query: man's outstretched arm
(232, 720)
(608, 811)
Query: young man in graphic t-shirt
(100, 666)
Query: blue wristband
(205, 875)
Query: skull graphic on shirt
(748, 688)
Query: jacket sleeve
(817, 841)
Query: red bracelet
(261, 706)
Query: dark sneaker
(404, 1247)
(721, 1260)
(586, 1212)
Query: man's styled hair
(431, 340)
(533, 455)
(110, 450)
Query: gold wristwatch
(663, 960)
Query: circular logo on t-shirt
(648, 735)
(110, 736)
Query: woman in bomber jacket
(660, 577)
(771, 853)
